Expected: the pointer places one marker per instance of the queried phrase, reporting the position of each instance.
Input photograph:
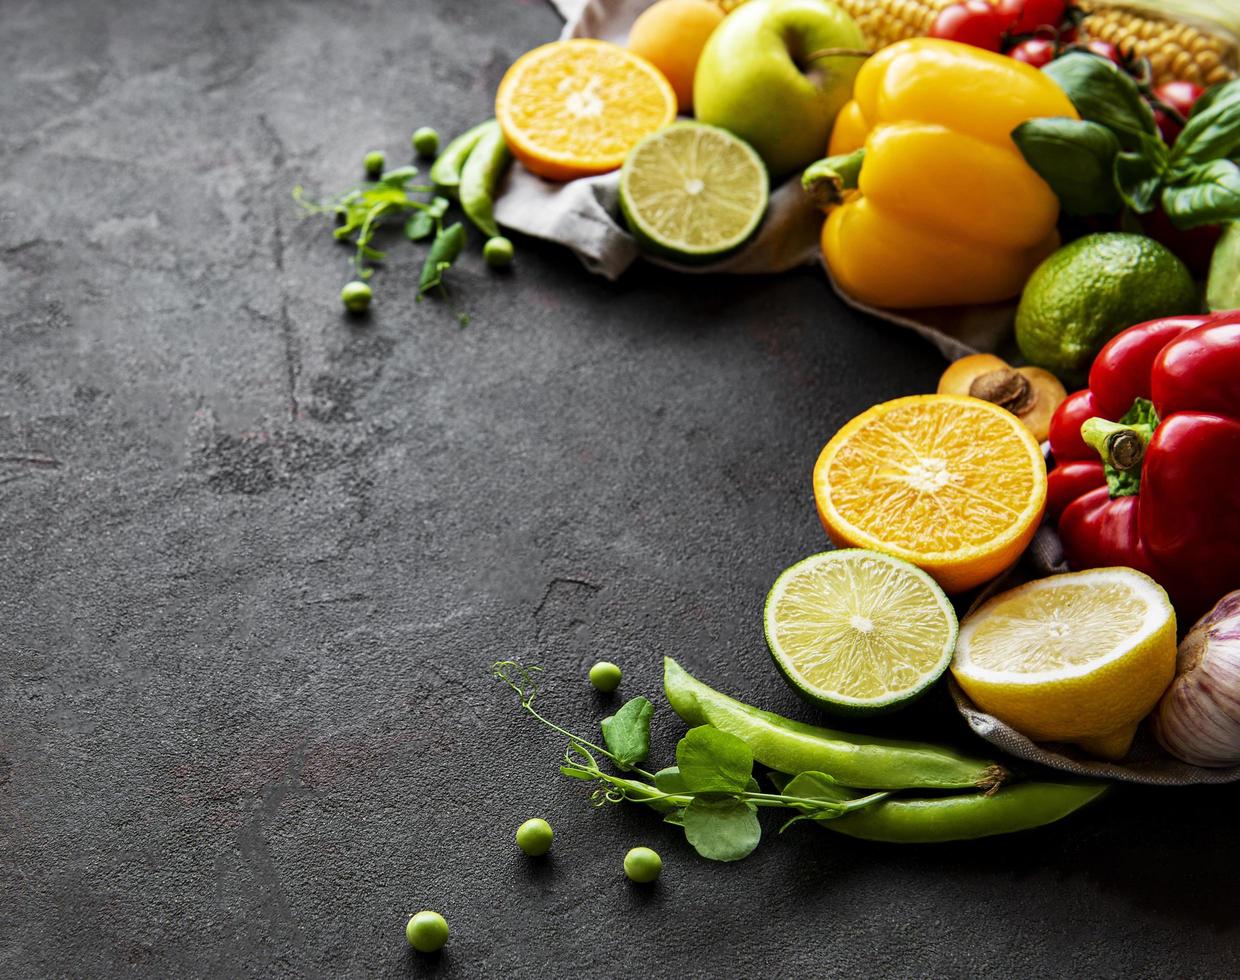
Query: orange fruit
(574, 108)
(670, 35)
(953, 484)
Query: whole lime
(1088, 291)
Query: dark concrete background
(257, 557)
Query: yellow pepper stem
(826, 180)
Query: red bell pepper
(1147, 459)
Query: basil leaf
(1213, 131)
(1076, 158)
(1223, 286)
(1209, 195)
(1102, 93)
(722, 830)
(419, 226)
(1138, 180)
(627, 732)
(712, 761)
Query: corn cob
(1193, 40)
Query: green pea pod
(859, 761)
(444, 250)
(446, 170)
(967, 816)
(483, 170)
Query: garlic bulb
(1198, 719)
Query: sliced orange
(953, 484)
(574, 108)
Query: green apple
(761, 76)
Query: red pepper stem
(1120, 446)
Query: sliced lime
(693, 192)
(859, 631)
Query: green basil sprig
(1113, 159)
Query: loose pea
(356, 296)
(534, 837)
(497, 251)
(605, 676)
(642, 865)
(425, 141)
(374, 164)
(427, 931)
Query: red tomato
(1104, 48)
(1037, 51)
(1027, 16)
(1181, 97)
(973, 22)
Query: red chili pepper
(1148, 458)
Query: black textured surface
(258, 557)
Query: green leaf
(438, 207)
(1223, 286)
(1213, 129)
(1208, 195)
(712, 761)
(1102, 93)
(1137, 179)
(676, 817)
(627, 733)
(444, 251)
(722, 830)
(577, 773)
(1076, 158)
(419, 225)
(398, 177)
(816, 786)
(669, 780)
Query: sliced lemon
(859, 631)
(1078, 658)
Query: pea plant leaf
(711, 761)
(627, 732)
(724, 829)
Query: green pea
(534, 837)
(497, 252)
(427, 931)
(480, 177)
(968, 815)
(605, 676)
(374, 164)
(859, 761)
(356, 296)
(425, 141)
(642, 865)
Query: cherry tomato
(973, 22)
(1037, 51)
(1104, 48)
(1027, 16)
(1181, 97)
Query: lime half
(693, 192)
(858, 631)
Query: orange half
(953, 484)
(575, 108)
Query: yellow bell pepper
(946, 210)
